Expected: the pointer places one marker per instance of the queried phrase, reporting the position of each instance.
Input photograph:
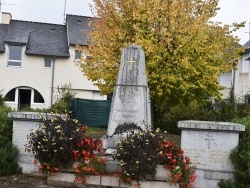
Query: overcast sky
(52, 11)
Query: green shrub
(226, 184)
(167, 118)
(60, 107)
(64, 94)
(8, 157)
(241, 158)
(5, 122)
(170, 118)
(1, 99)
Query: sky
(52, 11)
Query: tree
(185, 50)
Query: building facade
(38, 59)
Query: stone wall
(208, 145)
(23, 124)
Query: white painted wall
(33, 74)
(242, 77)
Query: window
(244, 64)
(47, 63)
(15, 53)
(10, 96)
(225, 79)
(38, 98)
(78, 54)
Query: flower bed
(61, 141)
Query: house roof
(51, 42)
(3, 32)
(44, 38)
(77, 29)
(40, 38)
(247, 46)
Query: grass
(99, 132)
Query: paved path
(23, 181)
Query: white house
(242, 76)
(37, 58)
(237, 82)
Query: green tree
(185, 50)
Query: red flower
(56, 169)
(85, 128)
(128, 179)
(187, 160)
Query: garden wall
(208, 144)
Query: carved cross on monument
(209, 138)
(131, 61)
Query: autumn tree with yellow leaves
(185, 50)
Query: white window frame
(14, 60)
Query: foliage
(60, 107)
(89, 162)
(185, 50)
(226, 184)
(64, 94)
(170, 117)
(8, 157)
(1, 99)
(241, 158)
(54, 141)
(140, 153)
(172, 157)
(5, 122)
(167, 118)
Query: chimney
(6, 17)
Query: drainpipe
(52, 81)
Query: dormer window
(15, 54)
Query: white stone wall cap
(210, 125)
(30, 115)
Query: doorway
(24, 98)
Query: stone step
(68, 180)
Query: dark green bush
(8, 157)
(64, 95)
(167, 118)
(1, 100)
(170, 119)
(60, 107)
(241, 158)
(5, 122)
(226, 184)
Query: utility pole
(248, 31)
(64, 12)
